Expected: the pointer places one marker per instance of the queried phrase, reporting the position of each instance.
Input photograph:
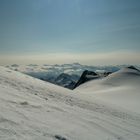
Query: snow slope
(31, 109)
(121, 88)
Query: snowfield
(105, 109)
(121, 88)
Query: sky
(95, 32)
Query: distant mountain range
(66, 75)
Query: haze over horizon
(66, 31)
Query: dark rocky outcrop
(86, 76)
(134, 68)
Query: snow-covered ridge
(121, 88)
(31, 109)
(125, 76)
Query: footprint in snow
(58, 137)
(24, 103)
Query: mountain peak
(86, 76)
(132, 67)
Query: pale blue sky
(39, 27)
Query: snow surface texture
(31, 109)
